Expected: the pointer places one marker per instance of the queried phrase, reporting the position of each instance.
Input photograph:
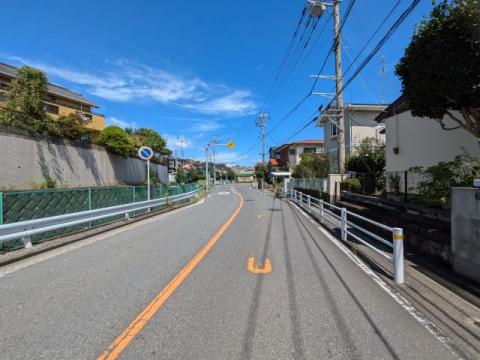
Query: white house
(288, 155)
(359, 124)
(412, 141)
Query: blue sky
(196, 68)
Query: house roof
(300, 142)
(397, 107)
(11, 72)
(354, 107)
(273, 162)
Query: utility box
(465, 217)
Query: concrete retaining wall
(25, 162)
(466, 232)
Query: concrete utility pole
(339, 86)
(214, 142)
(317, 8)
(207, 180)
(262, 124)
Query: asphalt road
(315, 303)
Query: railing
(26, 229)
(321, 208)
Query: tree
(181, 176)
(312, 165)
(24, 108)
(149, 137)
(440, 70)
(369, 158)
(116, 140)
(71, 126)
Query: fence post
(344, 224)
(1, 208)
(309, 204)
(398, 263)
(89, 203)
(320, 212)
(27, 242)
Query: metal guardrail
(320, 207)
(25, 229)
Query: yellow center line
(116, 348)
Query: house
(412, 141)
(59, 100)
(359, 122)
(288, 155)
(245, 175)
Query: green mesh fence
(29, 205)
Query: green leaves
(312, 165)
(440, 69)
(116, 140)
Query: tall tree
(24, 107)
(440, 70)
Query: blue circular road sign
(145, 153)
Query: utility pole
(339, 87)
(261, 123)
(214, 142)
(383, 79)
(206, 167)
(317, 8)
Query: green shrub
(439, 179)
(351, 185)
(116, 140)
(71, 126)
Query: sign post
(146, 153)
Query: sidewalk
(449, 301)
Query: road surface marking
(224, 193)
(395, 295)
(251, 266)
(259, 216)
(116, 348)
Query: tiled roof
(10, 71)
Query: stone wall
(26, 162)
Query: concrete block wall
(26, 161)
(466, 232)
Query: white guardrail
(25, 229)
(320, 207)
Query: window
(333, 129)
(3, 96)
(292, 151)
(84, 116)
(52, 109)
(3, 86)
(310, 150)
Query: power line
(377, 48)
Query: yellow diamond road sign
(230, 144)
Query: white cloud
(230, 158)
(177, 142)
(204, 126)
(123, 124)
(127, 82)
(237, 103)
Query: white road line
(36, 259)
(401, 300)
